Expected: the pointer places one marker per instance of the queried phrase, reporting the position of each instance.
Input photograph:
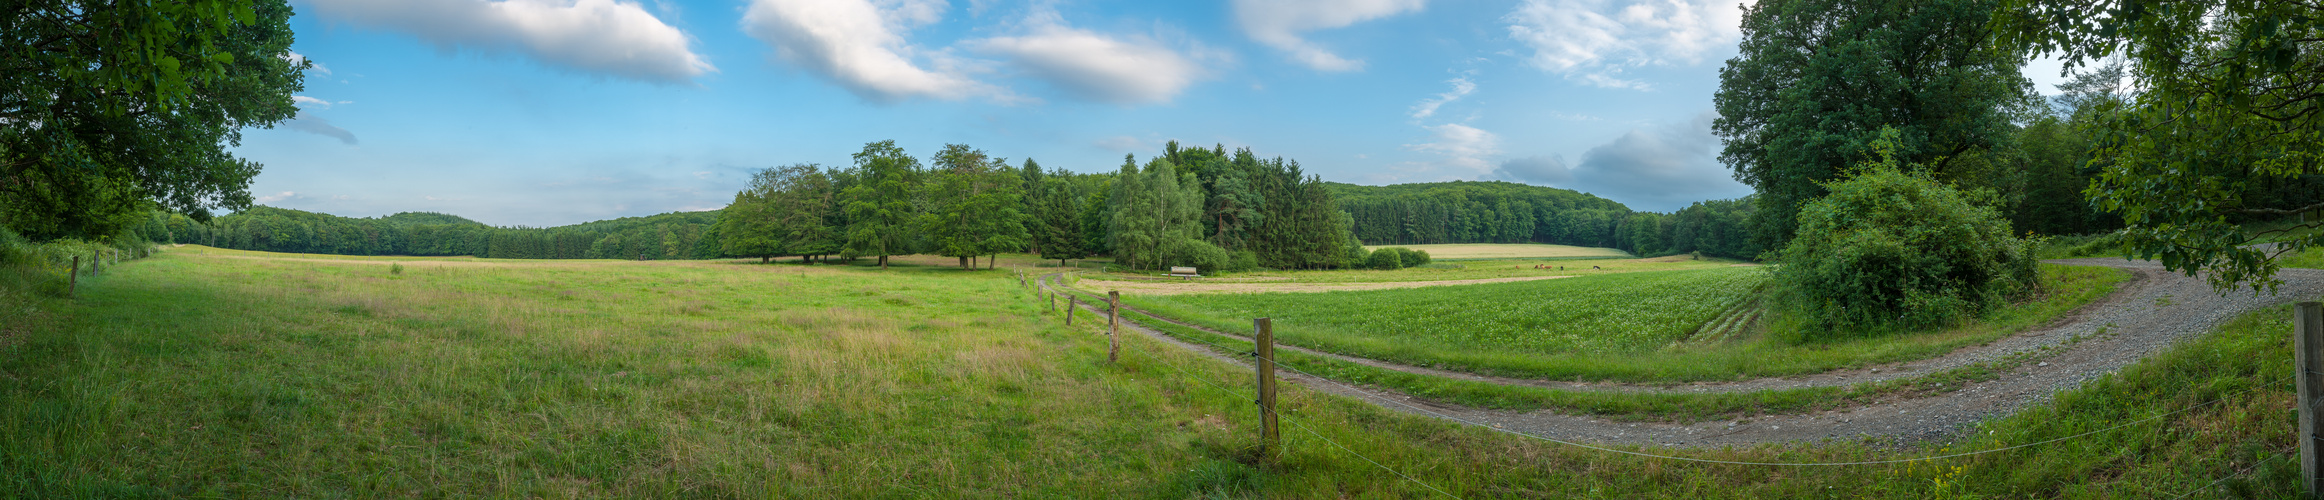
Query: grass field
(1439, 271)
(1621, 326)
(218, 376)
(1464, 251)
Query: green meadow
(244, 374)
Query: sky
(554, 112)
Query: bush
(1386, 258)
(1243, 261)
(1888, 250)
(1415, 258)
(1196, 254)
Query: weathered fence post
(94, 261)
(1113, 326)
(1071, 302)
(2308, 353)
(73, 279)
(1270, 442)
(1052, 301)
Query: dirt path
(2143, 316)
(1176, 288)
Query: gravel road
(2141, 317)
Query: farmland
(246, 374)
(1615, 326)
(1469, 251)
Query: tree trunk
(883, 263)
(964, 263)
(765, 258)
(992, 261)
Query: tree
(881, 207)
(748, 227)
(807, 212)
(1817, 79)
(974, 203)
(1154, 216)
(108, 109)
(1057, 228)
(2227, 126)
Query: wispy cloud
(1462, 147)
(309, 123)
(860, 45)
(1427, 107)
(1595, 41)
(603, 37)
(1279, 24)
(1089, 65)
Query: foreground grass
(1622, 327)
(194, 375)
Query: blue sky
(553, 112)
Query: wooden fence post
(1113, 326)
(1052, 302)
(73, 279)
(1071, 302)
(1270, 441)
(2308, 353)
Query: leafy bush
(1197, 254)
(1414, 258)
(1243, 261)
(1385, 258)
(1889, 250)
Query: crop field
(1437, 271)
(1616, 326)
(1476, 252)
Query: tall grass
(247, 376)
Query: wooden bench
(1183, 272)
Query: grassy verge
(1462, 328)
(193, 375)
(1445, 269)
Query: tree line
(1506, 212)
(676, 235)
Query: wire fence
(1377, 396)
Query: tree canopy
(1815, 81)
(2226, 127)
(109, 109)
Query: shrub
(1415, 258)
(1195, 253)
(1889, 250)
(1243, 261)
(1386, 258)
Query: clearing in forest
(1447, 251)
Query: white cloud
(1094, 66)
(1463, 147)
(285, 195)
(1593, 41)
(860, 45)
(1427, 107)
(606, 37)
(309, 123)
(1278, 23)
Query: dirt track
(2143, 316)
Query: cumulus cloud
(1279, 23)
(1462, 147)
(1594, 41)
(860, 45)
(309, 123)
(1093, 66)
(1660, 169)
(285, 195)
(1427, 107)
(605, 37)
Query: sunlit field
(1624, 326)
(1459, 251)
(244, 374)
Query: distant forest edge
(1220, 212)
